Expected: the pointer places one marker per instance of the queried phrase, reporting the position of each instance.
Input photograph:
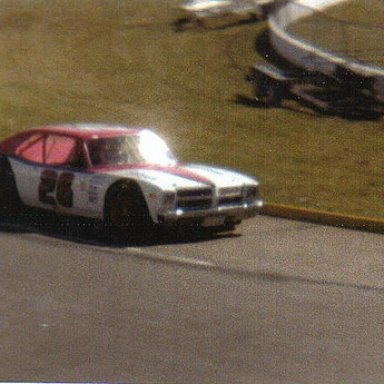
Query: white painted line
(162, 257)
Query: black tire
(126, 213)
(9, 198)
(268, 93)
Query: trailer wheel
(268, 93)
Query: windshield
(144, 148)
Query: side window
(59, 150)
(32, 149)
(76, 158)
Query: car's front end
(175, 193)
(210, 206)
(205, 196)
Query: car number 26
(50, 182)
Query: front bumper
(229, 214)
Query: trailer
(345, 92)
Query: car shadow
(93, 232)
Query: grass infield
(120, 61)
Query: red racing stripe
(176, 170)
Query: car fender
(151, 194)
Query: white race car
(125, 177)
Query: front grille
(200, 198)
(230, 196)
(194, 192)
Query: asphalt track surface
(277, 301)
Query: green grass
(353, 28)
(121, 62)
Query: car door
(45, 170)
(27, 166)
(64, 181)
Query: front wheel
(126, 213)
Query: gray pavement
(277, 302)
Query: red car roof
(79, 131)
(87, 131)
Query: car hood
(184, 176)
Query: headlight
(169, 198)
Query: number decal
(47, 186)
(64, 193)
(49, 181)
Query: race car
(126, 177)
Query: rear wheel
(126, 212)
(9, 197)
